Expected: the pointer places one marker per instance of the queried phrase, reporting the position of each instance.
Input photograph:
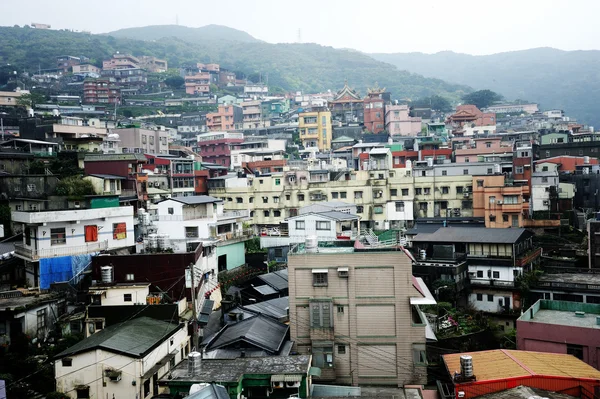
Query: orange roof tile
(503, 364)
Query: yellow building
(315, 129)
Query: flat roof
(26, 300)
(503, 364)
(194, 199)
(563, 313)
(573, 278)
(232, 370)
(457, 234)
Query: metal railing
(493, 282)
(63, 250)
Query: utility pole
(195, 317)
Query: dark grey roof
(259, 331)
(475, 235)
(210, 391)
(277, 280)
(341, 216)
(433, 227)
(195, 199)
(115, 157)
(276, 308)
(265, 290)
(101, 176)
(134, 338)
(232, 370)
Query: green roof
(133, 338)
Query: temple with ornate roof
(347, 105)
(469, 115)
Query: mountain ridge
(211, 32)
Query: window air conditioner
(292, 384)
(277, 384)
(343, 272)
(499, 202)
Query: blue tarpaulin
(64, 268)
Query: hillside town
(193, 232)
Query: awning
(286, 378)
(320, 270)
(342, 269)
(427, 298)
(314, 371)
(97, 292)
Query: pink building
(470, 150)
(198, 83)
(228, 117)
(208, 67)
(561, 327)
(398, 122)
(120, 61)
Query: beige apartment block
(351, 309)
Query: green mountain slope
(307, 67)
(208, 32)
(568, 80)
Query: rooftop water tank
(106, 273)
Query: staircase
(371, 238)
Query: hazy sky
(467, 26)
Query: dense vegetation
(307, 67)
(568, 80)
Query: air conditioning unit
(278, 384)
(292, 384)
(499, 202)
(466, 195)
(343, 272)
(546, 202)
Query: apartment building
(355, 311)
(215, 147)
(140, 140)
(374, 114)
(9, 98)
(64, 63)
(398, 121)
(199, 83)
(57, 244)
(153, 64)
(477, 149)
(500, 203)
(315, 129)
(126, 77)
(100, 91)
(87, 70)
(228, 117)
(256, 149)
(121, 61)
(253, 116)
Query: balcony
(233, 237)
(492, 283)
(528, 257)
(532, 223)
(322, 334)
(128, 193)
(228, 216)
(28, 253)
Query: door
(113, 186)
(222, 263)
(155, 384)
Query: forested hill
(568, 80)
(204, 33)
(307, 67)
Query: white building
(66, 233)
(122, 361)
(543, 181)
(120, 295)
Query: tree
(174, 82)
(75, 187)
(30, 100)
(482, 98)
(437, 103)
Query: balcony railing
(233, 215)
(493, 282)
(177, 218)
(29, 253)
(234, 236)
(567, 286)
(128, 193)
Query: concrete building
(228, 117)
(354, 310)
(374, 103)
(398, 121)
(468, 115)
(58, 244)
(124, 360)
(255, 149)
(513, 108)
(253, 116)
(65, 63)
(347, 106)
(126, 77)
(121, 61)
(100, 91)
(215, 147)
(475, 150)
(561, 327)
(9, 98)
(574, 287)
(153, 64)
(87, 70)
(199, 83)
(314, 128)
(143, 141)
(500, 204)
(544, 188)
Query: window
(146, 388)
(276, 200)
(251, 200)
(419, 355)
(119, 231)
(492, 199)
(320, 314)
(427, 190)
(287, 197)
(277, 182)
(58, 236)
(18, 207)
(276, 213)
(418, 191)
(488, 144)
(191, 232)
(358, 195)
(404, 191)
(480, 297)
(511, 199)
(466, 160)
(394, 192)
(359, 209)
(496, 274)
(41, 320)
(266, 214)
(83, 393)
(575, 350)
(444, 173)
(544, 179)
(445, 190)
(299, 224)
(423, 206)
(378, 209)
(98, 325)
(129, 277)
(465, 171)
(67, 362)
(459, 190)
(466, 204)
(126, 297)
(319, 279)
(516, 273)
(342, 194)
(31, 187)
(323, 225)
(479, 273)
(341, 349)
(91, 233)
(340, 309)
(490, 298)
(300, 197)
(265, 200)
(519, 170)
(490, 171)
(322, 356)
(399, 206)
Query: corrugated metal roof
(502, 364)
(276, 307)
(101, 176)
(195, 199)
(458, 234)
(134, 338)
(115, 157)
(208, 391)
(265, 290)
(260, 331)
(277, 280)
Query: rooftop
(277, 279)
(504, 364)
(572, 278)
(195, 199)
(276, 308)
(457, 234)
(134, 338)
(18, 300)
(524, 392)
(232, 370)
(563, 313)
(115, 157)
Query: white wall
(310, 228)
(115, 295)
(485, 305)
(505, 272)
(392, 214)
(88, 369)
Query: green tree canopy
(174, 82)
(30, 100)
(482, 98)
(75, 187)
(435, 102)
